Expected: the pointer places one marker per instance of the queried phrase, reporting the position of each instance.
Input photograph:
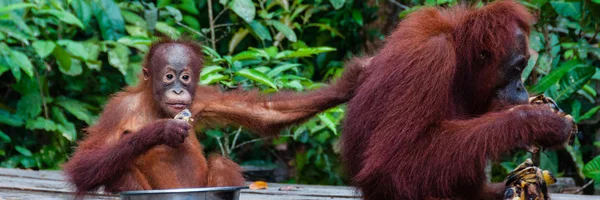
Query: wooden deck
(42, 185)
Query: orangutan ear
(146, 76)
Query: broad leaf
(279, 69)
(43, 48)
(167, 30)
(337, 4)
(20, 59)
(589, 114)
(40, 123)
(24, 151)
(257, 76)
(76, 108)
(328, 120)
(567, 9)
(211, 69)
(237, 38)
(64, 16)
(63, 59)
(111, 23)
(15, 6)
(304, 52)
(261, 31)
(284, 29)
(4, 137)
(243, 8)
(118, 57)
(554, 76)
(592, 169)
(10, 119)
(212, 78)
(30, 105)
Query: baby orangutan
(137, 145)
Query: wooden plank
(42, 185)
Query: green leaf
(4, 137)
(64, 16)
(110, 20)
(328, 120)
(304, 52)
(43, 48)
(118, 57)
(30, 105)
(279, 69)
(189, 6)
(20, 59)
(15, 6)
(358, 17)
(247, 55)
(257, 76)
(76, 49)
(13, 31)
(337, 4)
(530, 64)
(167, 30)
(175, 13)
(75, 69)
(66, 128)
(162, 3)
(83, 9)
(133, 18)
(285, 30)
(261, 31)
(63, 59)
(133, 69)
(567, 9)
(212, 78)
(10, 119)
(211, 70)
(243, 8)
(589, 114)
(574, 84)
(140, 43)
(592, 169)
(76, 108)
(40, 123)
(237, 38)
(554, 76)
(24, 151)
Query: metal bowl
(209, 193)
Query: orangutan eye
(169, 76)
(185, 77)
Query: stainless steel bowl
(209, 193)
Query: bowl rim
(184, 190)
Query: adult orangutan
(441, 97)
(135, 144)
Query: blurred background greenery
(61, 59)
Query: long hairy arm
(267, 115)
(497, 133)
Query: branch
(398, 4)
(583, 187)
(212, 24)
(219, 15)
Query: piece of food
(259, 185)
(528, 182)
(184, 115)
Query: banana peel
(528, 182)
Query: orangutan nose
(178, 91)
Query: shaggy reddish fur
(135, 146)
(420, 125)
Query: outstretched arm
(98, 162)
(500, 132)
(269, 114)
